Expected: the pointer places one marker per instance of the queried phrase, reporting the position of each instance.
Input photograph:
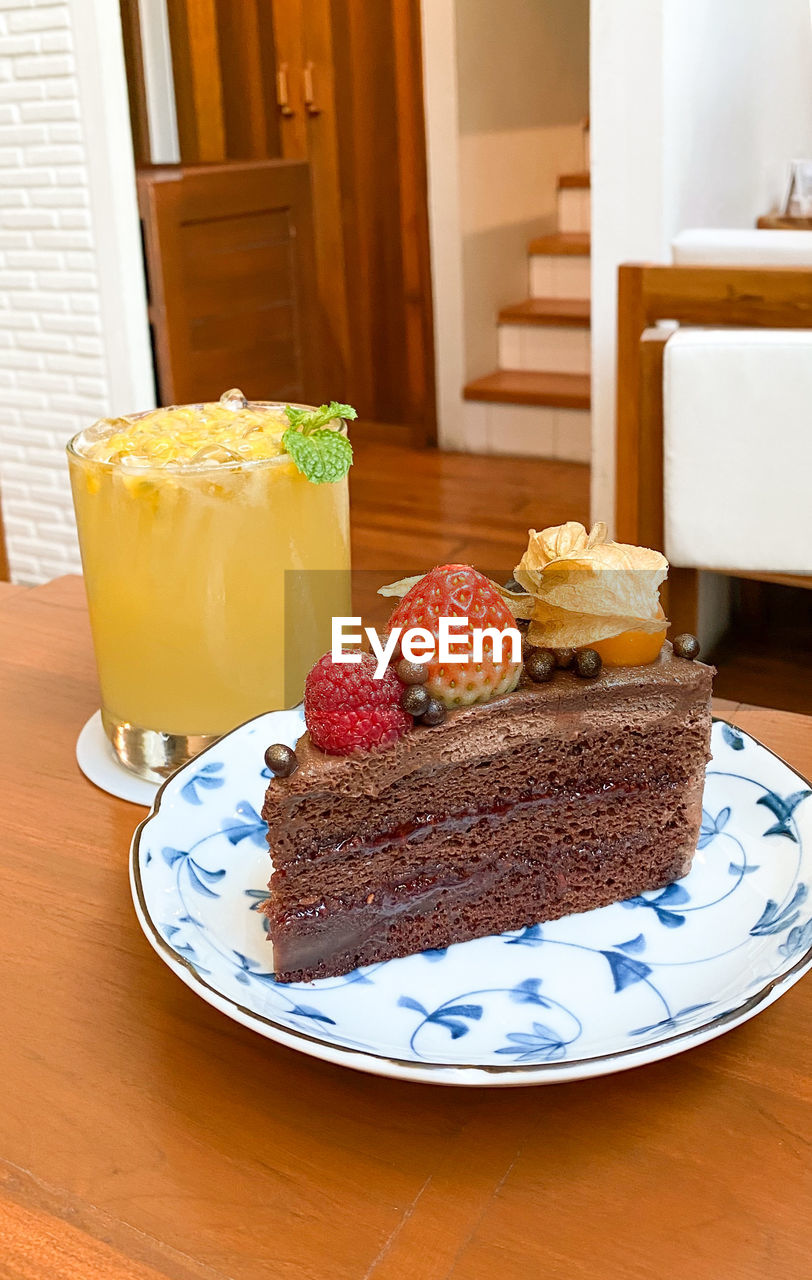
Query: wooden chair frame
(744, 297)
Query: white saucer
(97, 760)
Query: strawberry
(458, 591)
(347, 709)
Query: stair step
(574, 209)
(570, 313)
(518, 386)
(559, 266)
(581, 180)
(528, 430)
(565, 244)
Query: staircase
(537, 402)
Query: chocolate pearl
(588, 663)
(686, 646)
(415, 700)
(434, 713)
(410, 672)
(513, 585)
(564, 657)
(540, 665)
(281, 760)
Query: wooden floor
(765, 656)
(439, 507)
(763, 675)
(436, 507)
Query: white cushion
(709, 247)
(738, 449)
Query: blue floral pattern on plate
(582, 996)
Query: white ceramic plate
(583, 996)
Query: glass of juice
(213, 568)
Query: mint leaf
(309, 420)
(296, 416)
(324, 456)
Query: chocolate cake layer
(330, 799)
(427, 847)
(500, 895)
(556, 798)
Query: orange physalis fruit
(631, 648)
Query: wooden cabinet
(232, 284)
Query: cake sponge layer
(651, 727)
(499, 895)
(531, 827)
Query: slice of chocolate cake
(554, 798)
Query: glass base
(150, 754)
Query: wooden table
(144, 1135)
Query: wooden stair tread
(781, 222)
(521, 386)
(570, 313)
(580, 180)
(573, 244)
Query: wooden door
(308, 129)
(338, 84)
(379, 105)
(232, 287)
(223, 64)
(350, 75)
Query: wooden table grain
(145, 1136)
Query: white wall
(159, 85)
(697, 108)
(523, 91)
(74, 341)
(738, 89)
(445, 230)
(506, 85)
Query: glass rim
(193, 469)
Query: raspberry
(458, 591)
(347, 709)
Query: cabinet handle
(285, 109)
(309, 93)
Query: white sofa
(737, 425)
(718, 247)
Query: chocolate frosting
(661, 691)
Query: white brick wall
(54, 358)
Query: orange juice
(212, 567)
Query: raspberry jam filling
(514, 891)
(492, 816)
(495, 814)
